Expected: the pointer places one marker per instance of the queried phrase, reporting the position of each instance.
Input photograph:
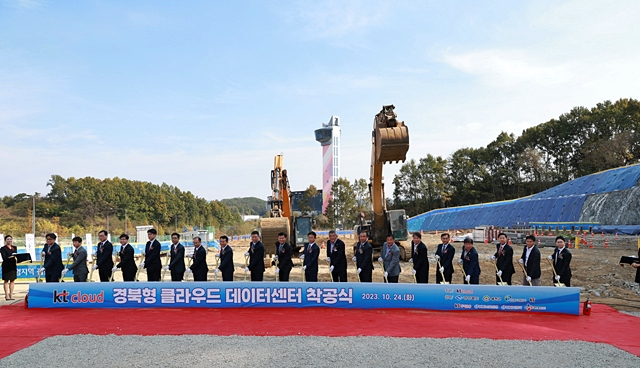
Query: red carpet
(20, 328)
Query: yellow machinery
(281, 214)
(390, 143)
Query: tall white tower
(329, 138)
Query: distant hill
(247, 205)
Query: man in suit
(337, 257)
(176, 262)
(256, 257)
(226, 259)
(52, 259)
(104, 262)
(79, 265)
(470, 264)
(531, 261)
(127, 262)
(309, 257)
(199, 265)
(445, 254)
(562, 262)
(363, 257)
(283, 258)
(419, 259)
(391, 260)
(152, 256)
(504, 260)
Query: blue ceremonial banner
(301, 295)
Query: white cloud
(510, 67)
(334, 19)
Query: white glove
(277, 270)
(43, 254)
(247, 254)
(64, 272)
(359, 270)
(529, 278)
(302, 257)
(328, 259)
(304, 268)
(410, 260)
(142, 265)
(354, 259)
(437, 256)
(188, 271)
(460, 261)
(331, 268)
(493, 258)
(217, 255)
(216, 271)
(380, 259)
(166, 268)
(521, 261)
(275, 257)
(557, 277)
(499, 273)
(413, 272)
(95, 267)
(246, 270)
(441, 269)
(114, 269)
(550, 258)
(385, 274)
(468, 278)
(41, 270)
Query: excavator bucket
(391, 136)
(270, 228)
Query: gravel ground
(296, 351)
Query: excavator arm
(390, 143)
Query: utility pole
(33, 215)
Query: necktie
(500, 251)
(101, 247)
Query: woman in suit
(9, 266)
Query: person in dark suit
(256, 257)
(420, 260)
(445, 254)
(504, 260)
(470, 264)
(531, 261)
(176, 263)
(337, 257)
(104, 256)
(152, 256)
(637, 267)
(562, 262)
(52, 259)
(310, 254)
(127, 262)
(282, 259)
(9, 266)
(363, 257)
(226, 259)
(199, 265)
(79, 265)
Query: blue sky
(203, 94)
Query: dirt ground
(595, 271)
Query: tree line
(580, 142)
(77, 205)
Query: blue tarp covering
(560, 204)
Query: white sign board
(89, 246)
(30, 243)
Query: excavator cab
(398, 224)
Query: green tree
(342, 205)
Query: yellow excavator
(281, 217)
(390, 143)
